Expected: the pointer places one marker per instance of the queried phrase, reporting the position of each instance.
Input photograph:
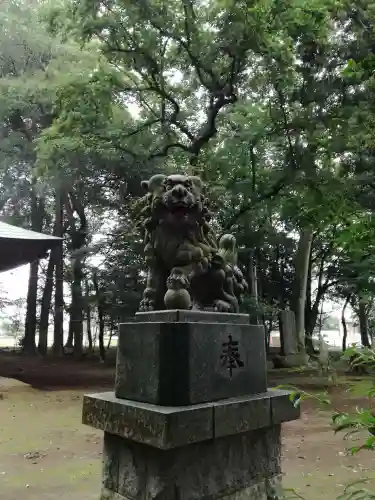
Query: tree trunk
(29, 346)
(78, 240)
(88, 327)
(58, 327)
(311, 311)
(46, 307)
(363, 323)
(88, 317)
(110, 338)
(101, 333)
(343, 322)
(99, 301)
(253, 288)
(312, 316)
(312, 308)
(37, 214)
(70, 340)
(309, 320)
(76, 310)
(302, 260)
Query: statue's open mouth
(179, 209)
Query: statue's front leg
(150, 294)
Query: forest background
(270, 102)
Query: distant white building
(332, 337)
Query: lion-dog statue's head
(175, 220)
(175, 200)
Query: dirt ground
(47, 454)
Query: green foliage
(352, 492)
(362, 419)
(297, 396)
(360, 357)
(271, 103)
(254, 98)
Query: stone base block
(167, 427)
(268, 489)
(228, 449)
(179, 358)
(239, 467)
(291, 360)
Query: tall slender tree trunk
(343, 322)
(300, 286)
(99, 301)
(253, 287)
(46, 307)
(363, 323)
(77, 308)
(110, 338)
(29, 345)
(70, 340)
(311, 311)
(88, 316)
(101, 333)
(308, 303)
(37, 213)
(58, 327)
(78, 240)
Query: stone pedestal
(180, 358)
(227, 448)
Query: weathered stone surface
(110, 461)
(138, 361)
(225, 467)
(162, 427)
(257, 491)
(282, 408)
(169, 427)
(190, 453)
(274, 488)
(180, 246)
(272, 445)
(178, 364)
(254, 492)
(236, 415)
(111, 495)
(191, 316)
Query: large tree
(255, 100)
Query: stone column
(191, 416)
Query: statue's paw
(147, 305)
(222, 306)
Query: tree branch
(271, 193)
(164, 151)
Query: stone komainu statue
(186, 267)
